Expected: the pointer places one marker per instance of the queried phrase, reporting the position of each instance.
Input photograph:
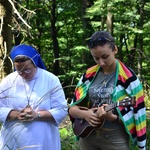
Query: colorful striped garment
(127, 84)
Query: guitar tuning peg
(126, 98)
(126, 109)
(131, 108)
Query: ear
(115, 50)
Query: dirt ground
(65, 123)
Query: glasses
(27, 71)
(98, 42)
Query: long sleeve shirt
(44, 92)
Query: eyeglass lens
(25, 71)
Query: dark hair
(105, 35)
(21, 58)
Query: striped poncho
(126, 84)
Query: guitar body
(83, 129)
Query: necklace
(106, 78)
(29, 95)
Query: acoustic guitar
(83, 129)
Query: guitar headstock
(127, 101)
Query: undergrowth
(68, 141)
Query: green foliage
(68, 139)
(147, 100)
(75, 22)
(148, 131)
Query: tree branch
(16, 12)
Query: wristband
(39, 115)
(116, 120)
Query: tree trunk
(54, 38)
(110, 23)
(141, 39)
(5, 37)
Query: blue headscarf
(28, 51)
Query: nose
(101, 62)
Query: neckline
(105, 77)
(28, 95)
(106, 74)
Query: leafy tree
(59, 29)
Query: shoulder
(93, 68)
(9, 79)
(10, 76)
(124, 70)
(47, 75)
(91, 72)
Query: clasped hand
(27, 114)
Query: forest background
(58, 29)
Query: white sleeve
(4, 109)
(58, 102)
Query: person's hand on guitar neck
(102, 114)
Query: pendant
(104, 82)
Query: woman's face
(25, 69)
(105, 57)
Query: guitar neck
(110, 107)
(125, 102)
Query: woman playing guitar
(108, 105)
